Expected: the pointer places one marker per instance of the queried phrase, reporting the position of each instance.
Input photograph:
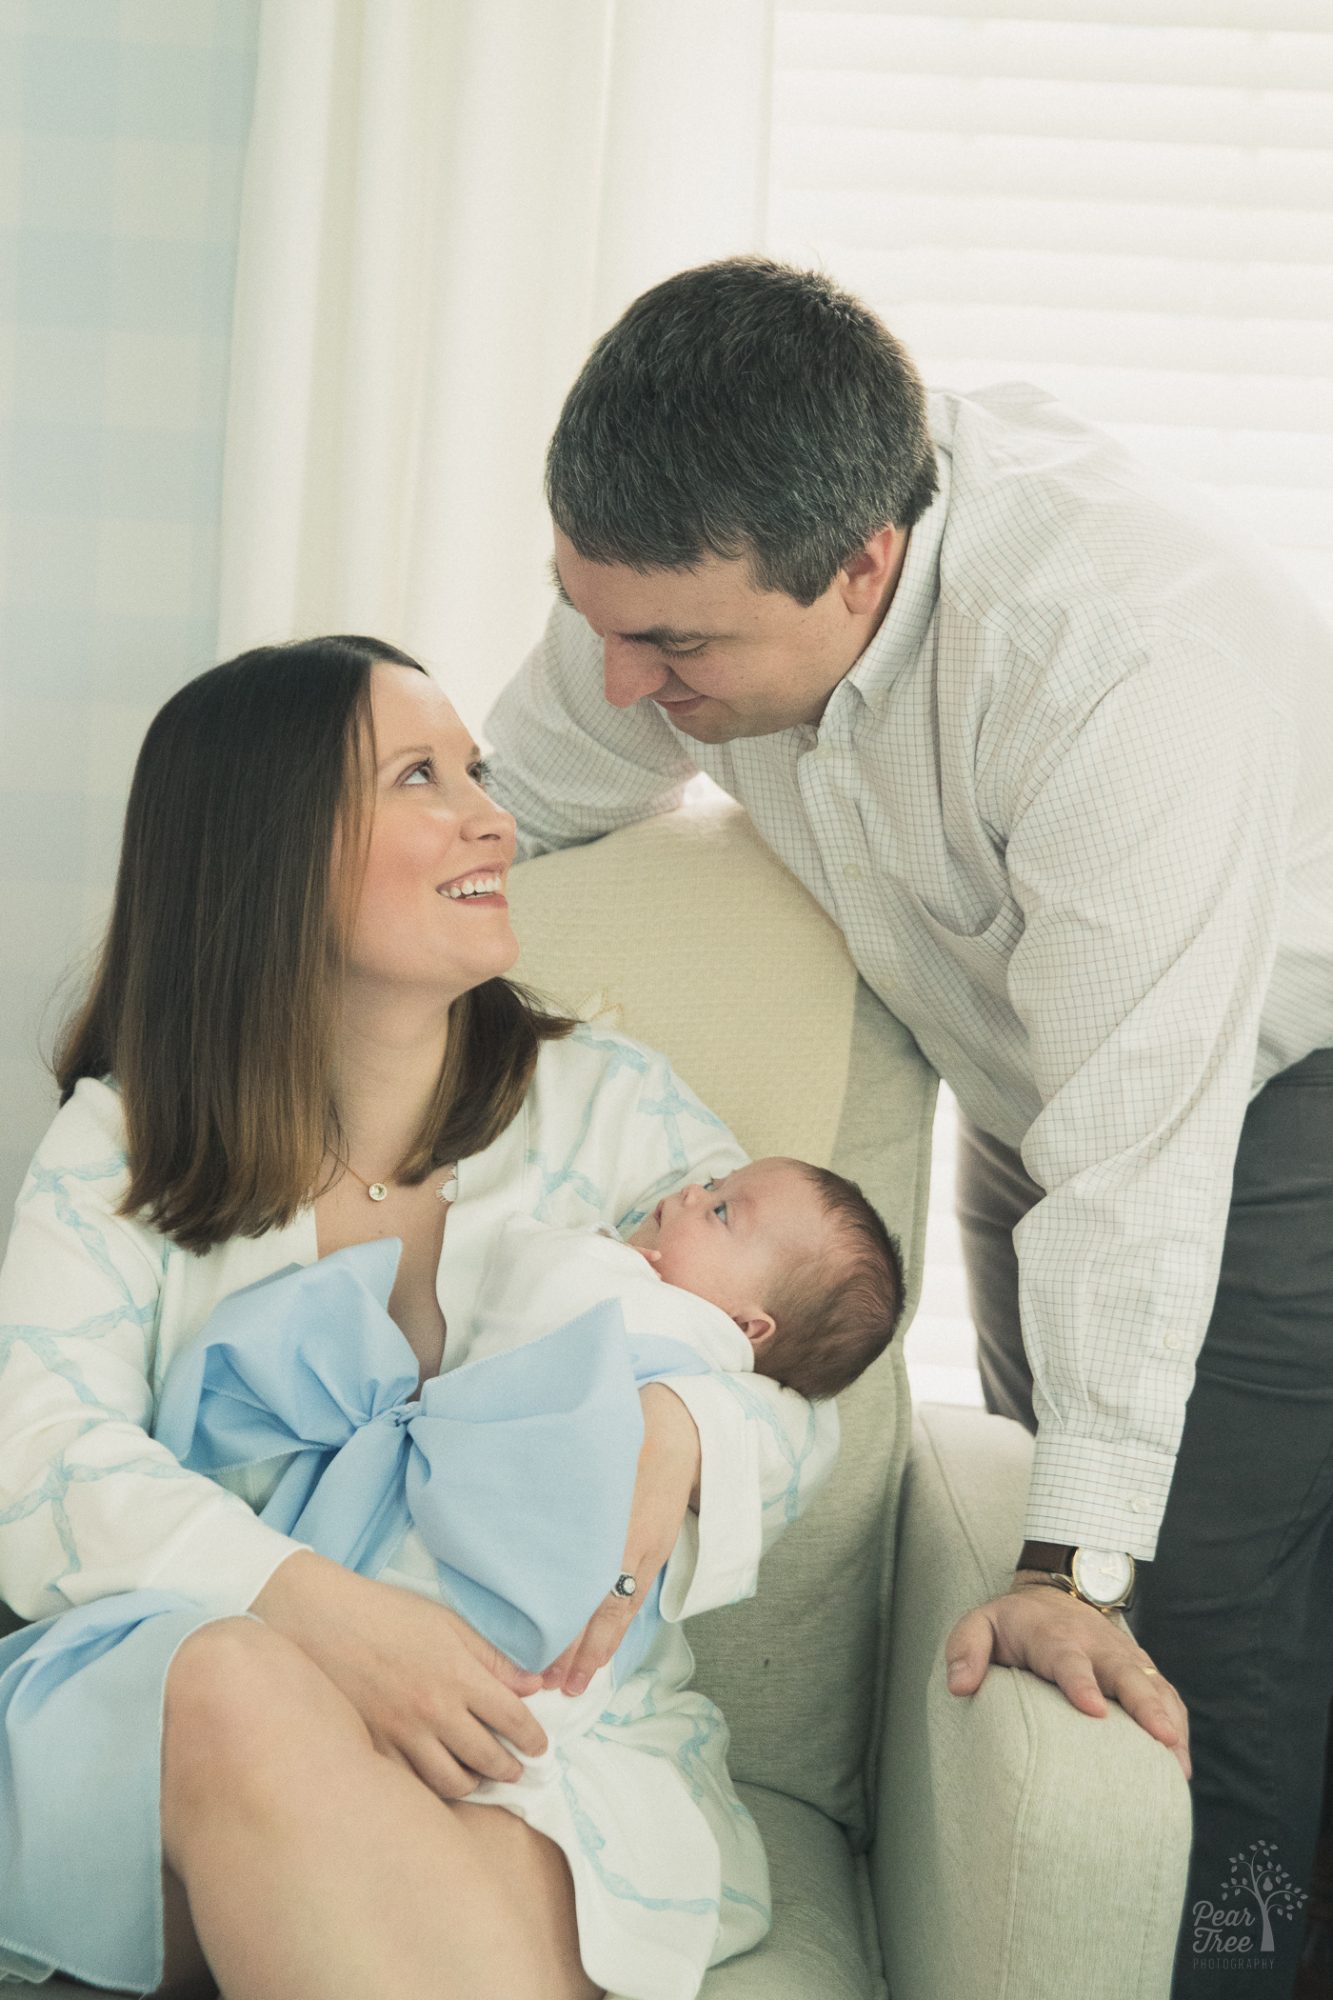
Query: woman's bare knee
(242, 1706)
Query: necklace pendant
(376, 1190)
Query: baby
(780, 1267)
(796, 1257)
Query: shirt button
(1139, 1504)
(1174, 1340)
(853, 871)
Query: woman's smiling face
(434, 837)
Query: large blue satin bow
(517, 1470)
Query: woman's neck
(387, 1069)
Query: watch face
(1103, 1575)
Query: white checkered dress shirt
(1073, 811)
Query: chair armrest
(1023, 1848)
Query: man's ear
(757, 1326)
(864, 576)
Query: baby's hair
(835, 1314)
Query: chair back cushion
(687, 933)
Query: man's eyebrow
(664, 635)
(655, 635)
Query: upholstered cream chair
(922, 1846)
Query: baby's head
(798, 1258)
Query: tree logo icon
(1261, 1889)
(1261, 1875)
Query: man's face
(720, 658)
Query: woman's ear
(757, 1326)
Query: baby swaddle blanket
(517, 1470)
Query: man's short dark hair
(835, 1314)
(742, 409)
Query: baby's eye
(710, 1184)
(720, 1208)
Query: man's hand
(665, 1486)
(1078, 1648)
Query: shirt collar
(903, 633)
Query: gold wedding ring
(1151, 1670)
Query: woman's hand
(665, 1486)
(1052, 1634)
(433, 1694)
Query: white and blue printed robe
(669, 1874)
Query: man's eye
(685, 652)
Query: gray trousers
(1237, 1607)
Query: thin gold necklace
(377, 1190)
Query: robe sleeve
(765, 1450)
(90, 1503)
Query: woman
(298, 1039)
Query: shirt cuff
(716, 1557)
(225, 1561)
(1103, 1496)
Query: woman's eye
(477, 772)
(426, 765)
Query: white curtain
(445, 202)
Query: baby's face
(726, 1240)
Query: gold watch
(1104, 1578)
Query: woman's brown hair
(215, 999)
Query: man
(1054, 749)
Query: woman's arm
(764, 1450)
(90, 1504)
(755, 1453)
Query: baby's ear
(757, 1326)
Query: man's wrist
(1045, 1556)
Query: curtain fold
(445, 202)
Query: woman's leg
(317, 1868)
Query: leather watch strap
(1047, 1556)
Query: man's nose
(629, 673)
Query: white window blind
(1129, 202)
